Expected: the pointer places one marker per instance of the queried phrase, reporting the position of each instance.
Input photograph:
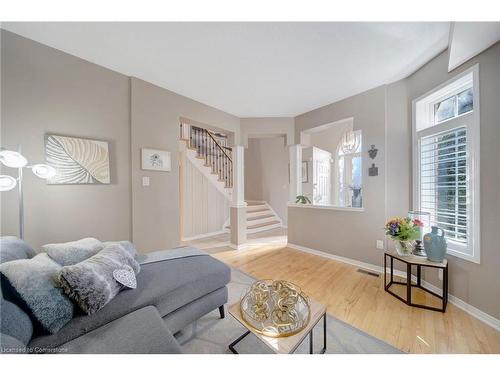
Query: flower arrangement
(404, 231)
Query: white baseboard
(204, 235)
(238, 247)
(357, 263)
(471, 310)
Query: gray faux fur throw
(90, 283)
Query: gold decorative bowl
(275, 308)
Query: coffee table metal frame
(311, 344)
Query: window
(454, 106)
(349, 170)
(446, 161)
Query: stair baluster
(212, 149)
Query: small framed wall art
(156, 160)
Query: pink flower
(418, 223)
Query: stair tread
(265, 216)
(258, 210)
(249, 204)
(263, 224)
(256, 226)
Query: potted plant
(302, 199)
(403, 231)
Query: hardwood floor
(360, 300)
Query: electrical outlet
(440, 274)
(380, 244)
(145, 181)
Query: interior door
(322, 176)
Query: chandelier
(350, 142)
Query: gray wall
(47, 91)
(347, 233)
(476, 284)
(155, 124)
(266, 173)
(256, 127)
(328, 139)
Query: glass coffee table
(279, 315)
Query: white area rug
(212, 335)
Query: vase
(403, 248)
(356, 200)
(435, 245)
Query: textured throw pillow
(127, 245)
(15, 322)
(13, 248)
(69, 253)
(91, 283)
(31, 284)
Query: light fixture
(12, 159)
(350, 142)
(7, 182)
(43, 171)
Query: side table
(288, 344)
(419, 262)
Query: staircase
(208, 151)
(211, 148)
(260, 217)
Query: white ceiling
(252, 69)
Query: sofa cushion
(12, 248)
(182, 317)
(31, 285)
(69, 253)
(15, 322)
(11, 345)
(140, 332)
(91, 283)
(167, 285)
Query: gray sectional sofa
(170, 295)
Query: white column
(238, 176)
(238, 216)
(295, 152)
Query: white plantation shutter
(444, 181)
(446, 163)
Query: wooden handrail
(214, 153)
(218, 145)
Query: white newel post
(295, 172)
(238, 216)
